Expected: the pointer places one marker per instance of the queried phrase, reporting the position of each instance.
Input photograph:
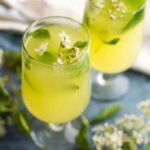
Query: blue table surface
(139, 90)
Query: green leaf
(82, 137)
(80, 44)
(4, 109)
(148, 146)
(14, 103)
(106, 113)
(23, 122)
(41, 33)
(12, 61)
(48, 57)
(112, 42)
(4, 95)
(137, 17)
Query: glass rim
(56, 17)
(125, 14)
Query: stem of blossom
(60, 47)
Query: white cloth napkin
(143, 60)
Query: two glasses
(56, 82)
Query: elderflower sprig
(42, 48)
(66, 52)
(144, 106)
(135, 127)
(126, 133)
(114, 8)
(65, 40)
(108, 136)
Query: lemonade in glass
(56, 83)
(116, 30)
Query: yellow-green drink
(116, 29)
(56, 71)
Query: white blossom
(114, 1)
(129, 127)
(131, 122)
(65, 39)
(121, 4)
(42, 48)
(139, 137)
(145, 107)
(113, 17)
(59, 60)
(77, 51)
(100, 4)
(136, 127)
(108, 135)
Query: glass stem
(105, 78)
(57, 127)
(109, 86)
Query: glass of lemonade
(56, 83)
(116, 29)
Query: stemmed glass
(56, 80)
(116, 29)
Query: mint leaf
(12, 61)
(106, 113)
(137, 17)
(23, 122)
(41, 33)
(4, 95)
(112, 42)
(80, 44)
(82, 137)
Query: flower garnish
(108, 136)
(115, 8)
(65, 39)
(145, 107)
(66, 52)
(59, 60)
(127, 132)
(135, 127)
(42, 49)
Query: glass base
(52, 137)
(109, 87)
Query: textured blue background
(139, 90)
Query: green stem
(60, 47)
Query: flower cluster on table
(127, 133)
